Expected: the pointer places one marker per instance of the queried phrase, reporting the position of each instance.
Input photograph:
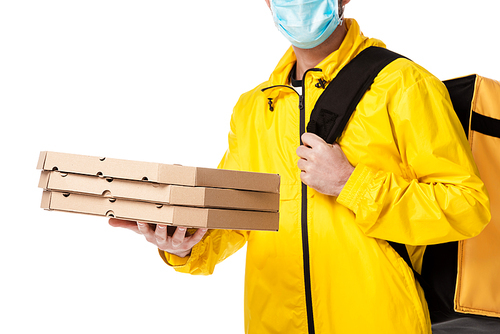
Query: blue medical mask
(306, 23)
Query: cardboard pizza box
(160, 214)
(158, 192)
(160, 173)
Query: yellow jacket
(414, 183)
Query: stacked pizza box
(159, 193)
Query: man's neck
(309, 58)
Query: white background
(155, 80)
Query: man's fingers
(161, 235)
(178, 236)
(311, 142)
(120, 222)
(196, 237)
(302, 164)
(311, 139)
(128, 224)
(147, 232)
(303, 152)
(305, 178)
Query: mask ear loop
(341, 18)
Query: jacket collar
(353, 43)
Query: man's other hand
(171, 239)
(324, 167)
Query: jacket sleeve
(438, 196)
(216, 245)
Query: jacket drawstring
(270, 99)
(320, 84)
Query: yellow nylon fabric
(414, 183)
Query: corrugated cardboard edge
(217, 178)
(188, 196)
(41, 160)
(44, 179)
(250, 218)
(49, 202)
(46, 197)
(144, 191)
(101, 166)
(263, 182)
(176, 174)
(160, 173)
(183, 216)
(178, 215)
(159, 193)
(254, 200)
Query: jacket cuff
(356, 187)
(176, 261)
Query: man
(402, 171)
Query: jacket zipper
(305, 248)
(303, 219)
(303, 215)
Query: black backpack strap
(340, 98)
(334, 109)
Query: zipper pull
(270, 103)
(301, 102)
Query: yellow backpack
(477, 102)
(458, 278)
